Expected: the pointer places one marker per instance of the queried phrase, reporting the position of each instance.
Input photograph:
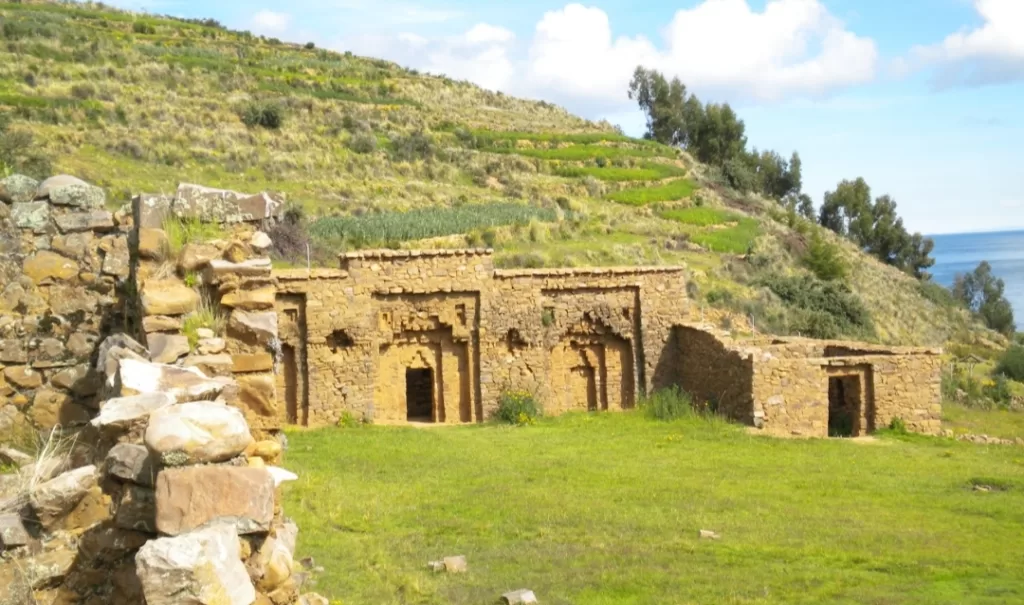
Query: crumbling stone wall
(309, 347)
(715, 374)
(63, 263)
(576, 338)
(790, 384)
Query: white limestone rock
(183, 384)
(280, 475)
(261, 241)
(194, 433)
(122, 412)
(203, 567)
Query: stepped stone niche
(390, 336)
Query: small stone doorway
(419, 395)
(845, 406)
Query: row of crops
(424, 223)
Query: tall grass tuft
(208, 316)
(517, 408)
(668, 404)
(183, 231)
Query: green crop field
(424, 223)
(672, 191)
(606, 509)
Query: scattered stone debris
(456, 564)
(981, 439)
(517, 597)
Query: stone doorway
(419, 395)
(845, 406)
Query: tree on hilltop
(983, 293)
(875, 227)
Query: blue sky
(922, 98)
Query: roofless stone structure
(394, 336)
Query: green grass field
(606, 509)
(673, 190)
(1004, 424)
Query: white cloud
(482, 33)
(720, 49)
(991, 53)
(268, 22)
(481, 55)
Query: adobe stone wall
(791, 385)
(576, 339)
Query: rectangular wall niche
(850, 402)
(292, 376)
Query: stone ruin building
(176, 369)
(397, 336)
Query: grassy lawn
(995, 423)
(606, 509)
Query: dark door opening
(419, 395)
(291, 383)
(845, 405)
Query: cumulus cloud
(989, 54)
(268, 22)
(481, 55)
(720, 48)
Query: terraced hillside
(372, 154)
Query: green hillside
(371, 154)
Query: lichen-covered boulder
(191, 497)
(223, 206)
(77, 195)
(46, 188)
(200, 568)
(31, 215)
(168, 297)
(193, 433)
(88, 220)
(150, 211)
(17, 189)
(54, 499)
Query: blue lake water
(961, 253)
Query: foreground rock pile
(165, 498)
